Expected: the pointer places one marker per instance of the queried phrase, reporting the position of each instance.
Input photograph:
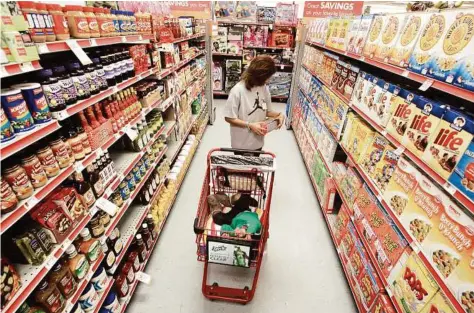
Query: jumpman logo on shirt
(256, 106)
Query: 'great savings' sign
(332, 8)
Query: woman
(249, 104)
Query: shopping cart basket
(230, 174)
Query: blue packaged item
(463, 176)
(89, 298)
(36, 101)
(464, 77)
(111, 304)
(17, 111)
(7, 132)
(99, 280)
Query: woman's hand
(281, 119)
(257, 128)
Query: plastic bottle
(48, 21)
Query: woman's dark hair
(259, 70)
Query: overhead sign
(198, 9)
(332, 8)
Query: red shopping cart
(251, 174)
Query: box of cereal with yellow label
(390, 33)
(448, 142)
(403, 109)
(350, 44)
(409, 35)
(374, 35)
(412, 284)
(362, 33)
(426, 118)
(430, 35)
(455, 46)
(385, 168)
(360, 139)
(373, 154)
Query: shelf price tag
(405, 73)
(66, 243)
(107, 206)
(450, 188)
(42, 48)
(94, 210)
(427, 84)
(27, 67)
(78, 51)
(50, 263)
(143, 277)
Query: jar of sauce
(92, 20)
(115, 242)
(46, 156)
(48, 20)
(100, 280)
(80, 80)
(102, 22)
(18, 179)
(109, 259)
(61, 277)
(34, 169)
(96, 227)
(104, 218)
(69, 91)
(89, 246)
(8, 199)
(49, 297)
(91, 76)
(77, 263)
(77, 22)
(36, 24)
(61, 153)
(53, 91)
(76, 144)
(59, 21)
(102, 81)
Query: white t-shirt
(249, 106)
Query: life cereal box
(403, 109)
(352, 35)
(448, 142)
(430, 35)
(426, 117)
(375, 34)
(400, 188)
(360, 139)
(373, 154)
(390, 34)
(439, 304)
(383, 304)
(385, 168)
(409, 35)
(456, 45)
(412, 284)
(363, 33)
(463, 175)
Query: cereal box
(385, 168)
(347, 87)
(368, 102)
(456, 44)
(383, 304)
(350, 185)
(364, 28)
(335, 26)
(463, 175)
(364, 204)
(378, 101)
(429, 37)
(360, 140)
(439, 304)
(465, 74)
(343, 32)
(448, 142)
(375, 35)
(358, 92)
(409, 35)
(390, 34)
(351, 121)
(370, 285)
(412, 285)
(358, 260)
(337, 73)
(426, 117)
(351, 38)
(403, 110)
(401, 186)
(373, 154)
(348, 241)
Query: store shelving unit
(11, 69)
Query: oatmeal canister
(37, 104)
(7, 132)
(16, 110)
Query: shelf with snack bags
(11, 69)
(432, 83)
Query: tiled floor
(301, 271)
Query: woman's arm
(255, 127)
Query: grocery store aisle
(300, 272)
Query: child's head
(259, 71)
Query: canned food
(17, 111)
(124, 190)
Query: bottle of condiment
(134, 260)
(109, 259)
(92, 20)
(151, 226)
(111, 304)
(49, 297)
(62, 277)
(8, 198)
(92, 118)
(98, 114)
(48, 21)
(32, 165)
(84, 189)
(17, 178)
(52, 90)
(115, 57)
(89, 299)
(77, 22)
(121, 286)
(108, 70)
(35, 28)
(114, 242)
(139, 247)
(69, 91)
(89, 246)
(80, 80)
(127, 270)
(147, 237)
(46, 156)
(77, 263)
(59, 22)
(94, 179)
(99, 280)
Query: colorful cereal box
(364, 204)
(373, 154)
(447, 144)
(385, 168)
(343, 32)
(348, 241)
(409, 35)
(360, 89)
(465, 74)
(390, 34)
(403, 109)
(455, 45)
(430, 35)
(463, 175)
(426, 118)
(382, 305)
(350, 44)
(412, 285)
(370, 285)
(375, 35)
(378, 101)
(439, 304)
(360, 140)
(364, 28)
(350, 186)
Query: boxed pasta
(426, 117)
(463, 175)
(385, 168)
(403, 109)
(373, 154)
(363, 33)
(409, 35)
(390, 34)
(412, 284)
(350, 44)
(448, 142)
(456, 45)
(375, 35)
(439, 303)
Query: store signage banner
(198, 9)
(332, 8)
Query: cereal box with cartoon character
(400, 188)
(403, 110)
(375, 35)
(350, 44)
(463, 175)
(385, 168)
(360, 89)
(363, 33)
(456, 45)
(364, 204)
(448, 142)
(412, 284)
(409, 35)
(429, 37)
(439, 304)
(373, 154)
(351, 121)
(360, 140)
(390, 33)
(350, 185)
(426, 118)
(378, 101)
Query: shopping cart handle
(197, 230)
(242, 150)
